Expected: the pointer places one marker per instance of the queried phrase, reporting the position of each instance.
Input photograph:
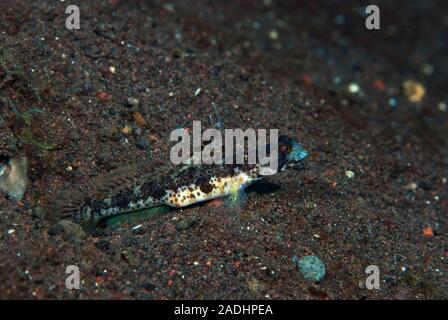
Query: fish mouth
(290, 155)
(295, 159)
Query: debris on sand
(414, 90)
(350, 174)
(127, 129)
(185, 224)
(133, 102)
(428, 232)
(311, 267)
(13, 176)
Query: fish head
(290, 154)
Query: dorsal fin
(123, 178)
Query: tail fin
(65, 205)
(70, 204)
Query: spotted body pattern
(178, 186)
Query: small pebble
(133, 102)
(143, 144)
(184, 224)
(176, 53)
(353, 88)
(311, 267)
(392, 102)
(411, 186)
(127, 129)
(103, 96)
(427, 69)
(138, 131)
(414, 90)
(350, 174)
(428, 232)
(112, 69)
(139, 119)
(273, 34)
(442, 106)
(169, 7)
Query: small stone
(273, 34)
(392, 102)
(361, 284)
(102, 96)
(138, 131)
(350, 174)
(427, 69)
(127, 129)
(185, 224)
(176, 53)
(414, 90)
(255, 285)
(169, 7)
(143, 144)
(139, 119)
(112, 69)
(428, 232)
(133, 102)
(411, 186)
(311, 267)
(353, 88)
(244, 74)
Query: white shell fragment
(13, 177)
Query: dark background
(278, 64)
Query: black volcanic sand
(266, 65)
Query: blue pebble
(311, 267)
(143, 144)
(393, 102)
